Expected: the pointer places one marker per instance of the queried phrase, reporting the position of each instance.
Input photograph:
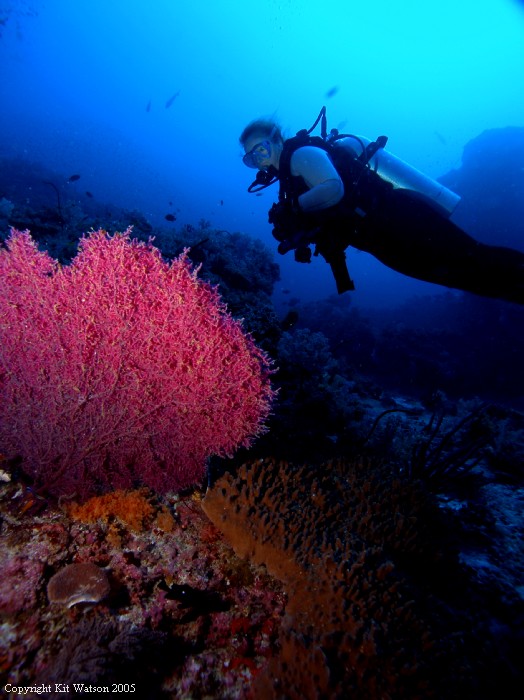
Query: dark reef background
(375, 534)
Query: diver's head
(262, 142)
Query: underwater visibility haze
(147, 101)
(206, 490)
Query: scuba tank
(396, 171)
(373, 155)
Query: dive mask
(259, 153)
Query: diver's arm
(320, 175)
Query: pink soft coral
(120, 368)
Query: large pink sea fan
(120, 368)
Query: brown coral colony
(78, 583)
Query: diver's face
(260, 152)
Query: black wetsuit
(408, 233)
(410, 236)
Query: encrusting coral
(347, 540)
(132, 370)
(78, 583)
(134, 508)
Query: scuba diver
(340, 190)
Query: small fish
(172, 99)
(441, 138)
(74, 178)
(332, 91)
(148, 106)
(89, 194)
(289, 321)
(258, 194)
(221, 202)
(170, 217)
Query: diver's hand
(285, 217)
(302, 250)
(299, 241)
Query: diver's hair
(264, 127)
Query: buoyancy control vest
(366, 169)
(364, 189)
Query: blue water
(84, 87)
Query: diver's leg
(411, 237)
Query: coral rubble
(183, 616)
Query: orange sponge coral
(131, 507)
(338, 538)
